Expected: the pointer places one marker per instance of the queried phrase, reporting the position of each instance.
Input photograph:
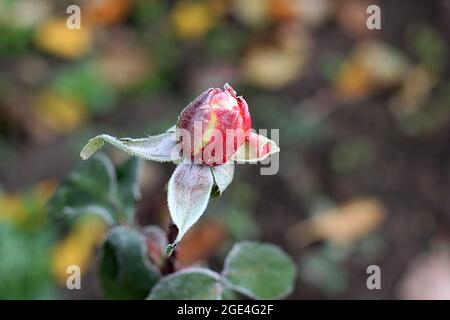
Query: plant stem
(170, 265)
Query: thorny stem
(170, 265)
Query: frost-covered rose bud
(214, 126)
(214, 132)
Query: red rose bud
(214, 126)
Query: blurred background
(364, 119)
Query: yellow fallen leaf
(14, 208)
(192, 19)
(55, 38)
(372, 65)
(353, 81)
(271, 67)
(276, 63)
(341, 225)
(123, 64)
(314, 13)
(415, 89)
(282, 9)
(78, 247)
(106, 12)
(257, 13)
(252, 12)
(58, 112)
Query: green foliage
(190, 284)
(149, 12)
(330, 65)
(83, 83)
(19, 250)
(95, 187)
(132, 258)
(224, 42)
(428, 46)
(430, 117)
(325, 273)
(300, 127)
(125, 271)
(13, 40)
(261, 271)
(349, 156)
(255, 270)
(127, 184)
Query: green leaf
(96, 187)
(14, 40)
(128, 185)
(25, 261)
(260, 271)
(228, 294)
(90, 188)
(125, 270)
(188, 284)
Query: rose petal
(156, 148)
(188, 195)
(257, 148)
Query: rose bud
(214, 126)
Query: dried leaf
(60, 113)
(55, 38)
(78, 247)
(192, 20)
(201, 242)
(341, 225)
(106, 12)
(371, 66)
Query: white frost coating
(214, 275)
(223, 175)
(154, 148)
(188, 195)
(250, 152)
(237, 248)
(226, 270)
(90, 209)
(172, 129)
